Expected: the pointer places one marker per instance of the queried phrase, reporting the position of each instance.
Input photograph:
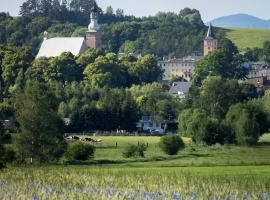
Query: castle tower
(210, 43)
(93, 36)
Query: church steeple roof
(93, 26)
(210, 32)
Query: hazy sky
(209, 9)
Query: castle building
(210, 42)
(52, 47)
(179, 67)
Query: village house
(180, 89)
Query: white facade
(183, 67)
(149, 123)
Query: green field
(217, 155)
(197, 172)
(244, 38)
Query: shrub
(171, 144)
(80, 151)
(134, 150)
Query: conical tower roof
(210, 32)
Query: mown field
(244, 38)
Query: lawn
(244, 38)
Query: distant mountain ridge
(241, 21)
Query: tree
(41, 129)
(2, 149)
(216, 95)
(146, 70)
(13, 62)
(225, 43)
(254, 54)
(219, 63)
(266, 51)
(109, 10)
(88, 57)
(65, 68)
(105, 71)
(247, 122)
(202, 128)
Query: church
(52, 47)
(210, 42)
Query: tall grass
(135, 183)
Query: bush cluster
(135, 150)
(80, 151)
(171, 144)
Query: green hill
(244, 38)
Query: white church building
(52, 47)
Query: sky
(210, 9)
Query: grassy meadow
(248, 38)
(197, 172)
(228, 155)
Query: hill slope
(248, 38)
(241, 21)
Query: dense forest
(165, 34)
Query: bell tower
(210, 43)
(93, 35)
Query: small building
(179, 67)
(180, 89)
(52, 47)
(149, 124)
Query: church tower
(210, 43)
(93, 35)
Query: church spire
(210, 43)
(93, 26)
(210, 33)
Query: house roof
(180, 88)
(56, 46)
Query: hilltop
(241, 21)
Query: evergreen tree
(41, 129)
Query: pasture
(81, 182)
(193, 155)
(248, 38)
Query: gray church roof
(56, 46)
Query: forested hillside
(166, 34)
